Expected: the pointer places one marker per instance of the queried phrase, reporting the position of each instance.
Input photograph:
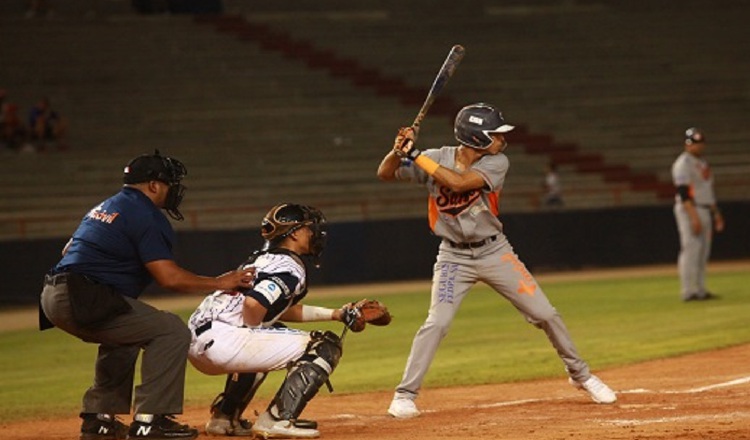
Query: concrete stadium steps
(612, 82)
(303, 104)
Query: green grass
(613, 322)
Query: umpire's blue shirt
(116, 239)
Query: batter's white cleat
(267, 426)
(598, 390)
(403, 408)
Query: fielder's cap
(147, 167)
(694, 135)
(474, 124)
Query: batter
(697, 216)
(464, 184)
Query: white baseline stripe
(636, 422)
(619, 422)
(740, 381)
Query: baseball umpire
(239, 333)
(464, 184)
(697, 215)
(92, 293)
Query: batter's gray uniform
(473, 249)
(694, 172)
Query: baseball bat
(446, 71)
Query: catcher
(238, 333)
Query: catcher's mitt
(357, 315)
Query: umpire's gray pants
(164, 339)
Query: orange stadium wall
(394, 250)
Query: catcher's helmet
(694, 135)
(285, 218)
(475, 122)
(148, 167)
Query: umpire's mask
(165, 169)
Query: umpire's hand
(237, 279)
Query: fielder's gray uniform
(693, 172)
(473, 249)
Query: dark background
(380, 251)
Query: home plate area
(702, 396)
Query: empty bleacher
(270, 104)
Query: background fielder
(464, 185)
(697, 215)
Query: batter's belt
(472, 245)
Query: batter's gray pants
(455, 273)
(164, 339)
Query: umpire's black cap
(147, 167)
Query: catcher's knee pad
(325, 346)
(307, 375)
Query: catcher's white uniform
(222, 343)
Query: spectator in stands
(697, 215)
(552, 187)
(13, 132)
(47, 125)
(37, 8)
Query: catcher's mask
(148, 167)
(285, 218)
(476, 122)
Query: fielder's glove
(404, 143)
(356, 315)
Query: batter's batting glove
(404, 144)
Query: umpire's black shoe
(163, 427)
(102, 427)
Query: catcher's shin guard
(307, 375)
(239, 390)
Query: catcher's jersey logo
(454, 203)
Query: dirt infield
(701, 396)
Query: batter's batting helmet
(285, 218)
(694, 135)
(476, 122)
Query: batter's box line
(740, 381)
(731, 383)
(694, 418)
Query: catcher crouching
(239, 333)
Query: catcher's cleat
(598, 390)
(403, 408)
(268, 427)
(102, 427)
(222, 424)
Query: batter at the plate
(464, 184)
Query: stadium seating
(287, 101)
